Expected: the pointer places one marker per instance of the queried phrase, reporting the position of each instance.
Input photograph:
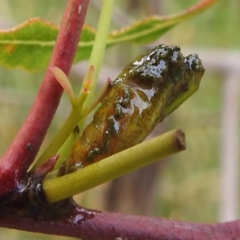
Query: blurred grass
(188, 186)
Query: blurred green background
(185, 186)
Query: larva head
(167, 70)
(186, 80)
(152, 69)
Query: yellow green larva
(148, 89)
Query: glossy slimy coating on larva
(142, 95)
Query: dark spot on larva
(194, 63)
(159, 53)
(125, 100)
(118, 114)
(176, 58)
(93, 153)
(174, 48)
(113, 126)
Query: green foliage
(199, 34)
(29, 45)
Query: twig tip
(180, 139)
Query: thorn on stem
(45, 168)
(88, 79)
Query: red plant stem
(23, 150)
(105, 226)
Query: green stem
(114, 166)
(59, 138)
(100, 42)
(63, 152)
(96, 61)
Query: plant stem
(114, 166)
(100, 42)
(104, 225)
(59, 138)
(23, 150)
(96, 61)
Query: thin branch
(22, 151)
(92, 225)
(114, 166)
(89, 82)
(100, 42)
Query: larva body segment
(146, 91)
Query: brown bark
(72, 220)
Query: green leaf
(29, 45)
